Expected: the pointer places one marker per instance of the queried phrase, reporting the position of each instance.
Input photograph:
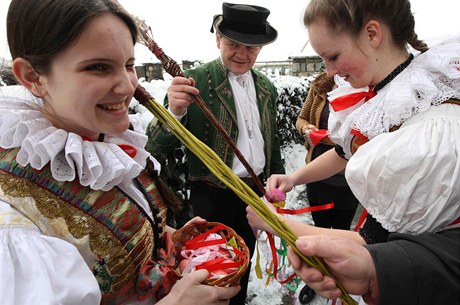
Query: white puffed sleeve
(409, 179)
(38, 269)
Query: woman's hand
(190, 291)
(307, 128)
(180, 94)
(197, 220)
(258, 223)
(284, 183)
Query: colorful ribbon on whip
(276, 266)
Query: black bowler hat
(245, 24)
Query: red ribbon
(317, 135)
(204, 243)
(128, 149)
(275, 261)
(358, 134)
(361, 220)
(199, 240)
(272, 242)
(218, 264)
(349, 100)
(306, 210)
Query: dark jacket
(211, 79)
(422, 269)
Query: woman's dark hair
(350, 16)
(38, 30)
(169, 197)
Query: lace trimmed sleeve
(408, 179)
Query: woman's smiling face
(91, 83)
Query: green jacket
(211, 79)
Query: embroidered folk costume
(407, 179)
(402, 143)
(62, 194)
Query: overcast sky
(181, 27)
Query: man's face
(236, 57)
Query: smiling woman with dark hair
(82, 209)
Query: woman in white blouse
(395, 118)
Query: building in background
(300, 66)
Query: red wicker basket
(193, 235)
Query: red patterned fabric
(124, 264)
(156, 276)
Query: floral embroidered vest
(112, 233)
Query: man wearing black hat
(243, 100)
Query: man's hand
(350, 264)
(180, 94)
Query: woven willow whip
(232, 181)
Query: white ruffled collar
(432, 78)
(100, 165)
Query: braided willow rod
(228, 177)
(173, 69)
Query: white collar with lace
(100, 165)
(432, 78)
